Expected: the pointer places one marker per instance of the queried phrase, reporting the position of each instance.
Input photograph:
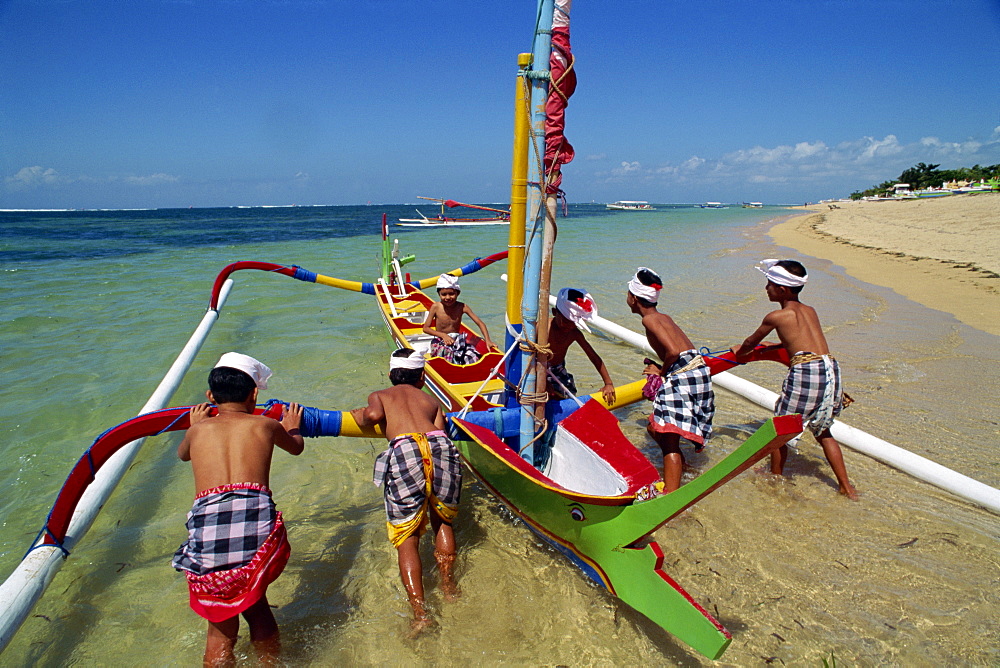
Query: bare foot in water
(851, 493)
(419, 626)
(450, 590)
(446, 565)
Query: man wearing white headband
(683, 402)
(572, 310)
(448, 281)
(237, 544)
(813, 386)
(257, 370)
(412, 360)
(444, 322)
(421, 474)
(646, 284)
(778, 272)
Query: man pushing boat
(813, 386)
(236, 543)
(684, 403)
(421, 473)
(573, 308)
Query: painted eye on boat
(576, 513)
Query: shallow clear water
(97, 305)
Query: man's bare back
(236, 446)
(667, 339)
(797, 326)
(404, 409)
(799, 329)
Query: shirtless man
(684, 404)
(444, 321)
(236, 543)
(573, 307)
(419, 451)
(813, 386)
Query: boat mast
(533, 368)
(518, 211)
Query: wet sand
(943, 253)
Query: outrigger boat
(500, 217)
(564, 467)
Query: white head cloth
(448, 281)
(650, 293)
(412, 361)
(780, 275)
(248, 365)
(577, 311)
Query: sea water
(98, 304)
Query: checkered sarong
(813, 389)
(563, 376)
(226, 527)
(400, 469)
(685, 403)
(462, 351)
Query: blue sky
(161, 103)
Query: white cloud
(809, 166)
(692, 163)
(32, 177)
(627, 168)
(151, 180)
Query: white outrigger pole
(903, 460)
(919, 467)
(24, 587)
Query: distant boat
(630, 205)
(713, 205)
(932, 192)
(753, 205)
(500, 217)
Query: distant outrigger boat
(753, 205)
(713, 205)
(631, 205)
(501, 217)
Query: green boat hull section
(595, 532)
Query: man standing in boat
(684, 404)
(421, 472)
(444, 321)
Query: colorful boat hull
(603, 535)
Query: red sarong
(221, 595)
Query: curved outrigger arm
(316, 422)
(301, 274)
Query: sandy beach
(943, 253)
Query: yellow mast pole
(518, 195)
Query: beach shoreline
(943, 253)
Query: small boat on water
(753, 205)
(499, 217)
(713, 205)
(630, 205)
